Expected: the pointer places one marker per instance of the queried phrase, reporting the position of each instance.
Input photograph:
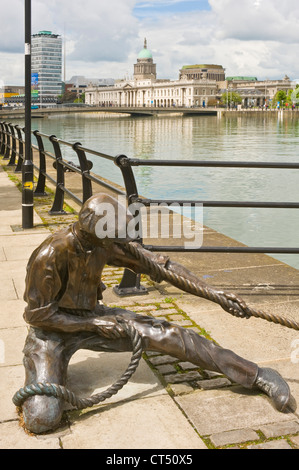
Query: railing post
(2, 138)
(41, 183)
(85, 166)
(20, 150)
(130, 283)
(57, 207)
(7, 142)
(12, 160)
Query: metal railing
(12, 149)
(126, 165)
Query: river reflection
(252, 138)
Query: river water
(274, 137)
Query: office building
(46, 67)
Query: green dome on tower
(145, 53)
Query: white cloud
(265, 20)
(248, 37)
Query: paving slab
(13, 340)
(11, 379)
(7, 289)
(11, 313)
(12, 436)
(236, 408)
(295, 441)
(272, 445)
(215, 411)
(21, 247)
(235, 437)
(255, 339)
(148, 423)
(92, 372)
(276, 430)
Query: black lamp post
(27, 167)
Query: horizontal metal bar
(77, 170)
(94, 152)
(253, 204)
(45, 152)
(79, 147)
(56, 139)
(221, 249)
(50, 178)
(72, 195)
(103, 183)
(228, 164)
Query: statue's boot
(189, 346)
(271, 383)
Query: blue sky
(103, 38)
(156, 8)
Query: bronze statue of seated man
(63, 294)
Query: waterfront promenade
(166, 404)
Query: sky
(103, 37)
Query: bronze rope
(59, 391)
(229, 302)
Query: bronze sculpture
(63, 290)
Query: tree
(67, 97)
(293, 96)
(80, 99)
(231, 98)
(280, 97)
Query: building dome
(145, 53)
(145, 67)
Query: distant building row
(198, 85)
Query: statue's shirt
(61, 274)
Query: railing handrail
(212, 163)
(80, 147)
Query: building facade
(145, 90)
(47, 66)
(255, 92)
(11, 94)
(197, 86)
(203, 72)
(78, 83)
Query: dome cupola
(145, 67)
(145, 53)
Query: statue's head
(103, 219)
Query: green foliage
(67, 97)
(80, 99)
(293, 96)
(231, 98)
(281, 98)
